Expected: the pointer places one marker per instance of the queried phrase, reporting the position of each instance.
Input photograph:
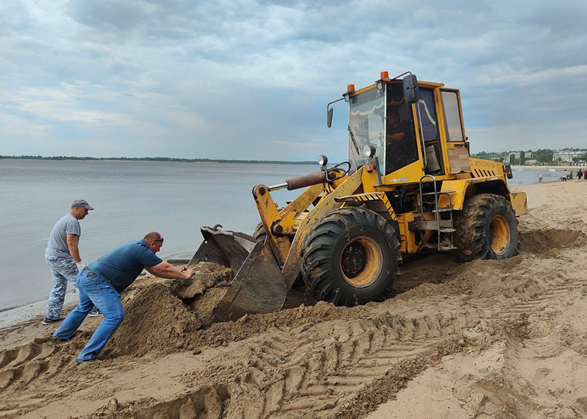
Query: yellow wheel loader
(408, 185)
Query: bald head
(152, 236)
(154, 240)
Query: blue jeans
(93, 290)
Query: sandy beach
(485, 339)
(574, 167)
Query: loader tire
(351, 257)
(487, 228)
(260, 234)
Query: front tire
(351, 257)
(260, 234)
(487, 228)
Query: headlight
(369, 150)
(322, 160)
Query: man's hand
(187, 271)
(167, 270)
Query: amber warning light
(384, 75)
(350, 88)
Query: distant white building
(515, 157)
(567, 155)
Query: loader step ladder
(444, 226)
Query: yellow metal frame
(519, 202)
(370, 197)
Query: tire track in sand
(317, 369)
(307, 372)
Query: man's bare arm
(72, 240)
(167, 270)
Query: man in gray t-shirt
(62, 256)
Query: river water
(130, 199)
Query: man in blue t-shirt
(62, 256)
(101, 282)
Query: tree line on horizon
(542, 156)
(167, 159)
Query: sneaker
(95, 312)
(47, 320)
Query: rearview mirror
(411, 91)
(329, 117)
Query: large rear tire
(487, 228)
(351, 257)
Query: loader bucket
(258, 285)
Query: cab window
(427, 115)
(452, 115)
(400, 139)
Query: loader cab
(413, 136)
(380, 117)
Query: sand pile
(551, 240)
(501, 339)
(162, 316)
(155, 320)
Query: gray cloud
(108, 15)
(14, 17)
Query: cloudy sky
(250, 79)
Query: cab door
(456, 145)
(430, 132)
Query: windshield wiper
(354, 141)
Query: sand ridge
(500, 339)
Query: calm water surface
(130, 199)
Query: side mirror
(411, 91)
(329, 117)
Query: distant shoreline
(558, 168)
(570, 166)
(154, 159)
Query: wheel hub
(361, 262)
(353, 259)
(500, 235)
